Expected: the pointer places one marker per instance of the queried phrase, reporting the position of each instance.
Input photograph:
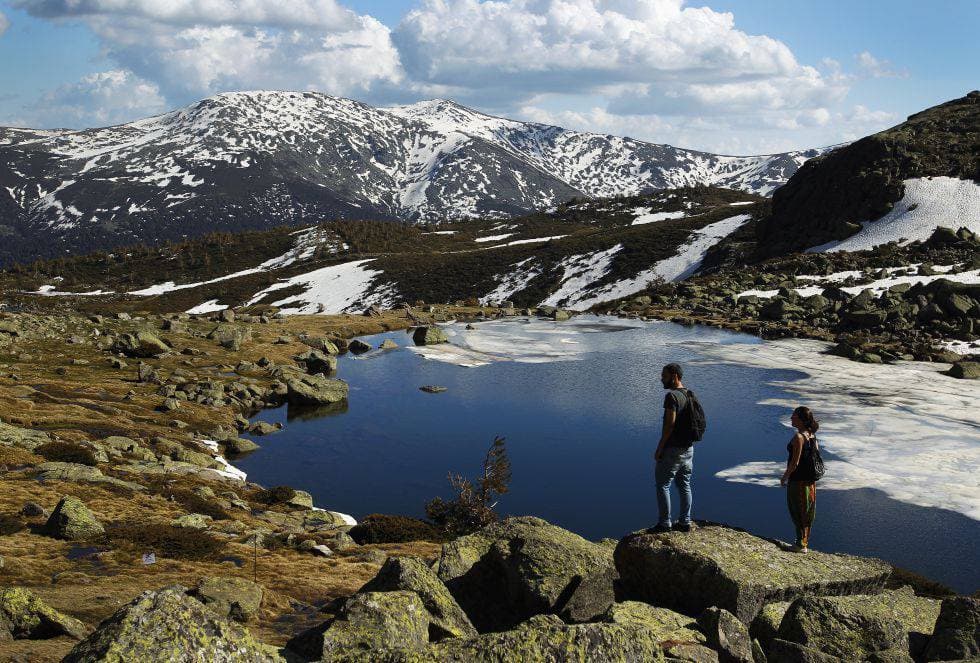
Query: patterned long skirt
(802, 499)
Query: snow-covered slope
(263, 159)
(928, 202)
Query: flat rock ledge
(732, 569)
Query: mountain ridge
(252, 160)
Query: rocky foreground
(525, 590)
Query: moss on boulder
(140, 344)
(24, 615)
(372, 624)
(957, 631)
(236, 598)
(663, 622)
(412, 574)
(519, 567)
(24, 438)
(72, 520)
(719, 566)
(168, 626)
(315, 390)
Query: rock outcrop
(957, 631)
(140, 344)
(315, 390)
(168, 626)
(731, 569)
(236, 598)
(429, 336)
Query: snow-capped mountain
(263, 159)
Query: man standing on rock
(675, 452)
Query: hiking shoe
(659, 529)
(683, 527)
(797, 548)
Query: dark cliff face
(829, 196)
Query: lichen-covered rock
(519, 567)
(546, 639)
(374, 623)
(690, 653)
(781, 651)
(719, 566)
(592, 597)
(315, 390)
(78, 473)
(140, 344)
(72, 520)
(851, 628)
(429, 336)
(358, 347)
(765, 626)
(24, 615)
(167, 626)
(314, 361)
(230, 336)
(663, 622)
(957, 632)
(413, 575)
(726, 635)
(236, 598)
(25, 438)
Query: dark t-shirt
(676, 400)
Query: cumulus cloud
(875, 68)
(672, 58)
(192, 48)
(100, 99)
(4, 23)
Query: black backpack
(692, 420)
(811, 467)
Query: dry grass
(75, 403)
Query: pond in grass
(580, 406)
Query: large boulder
(167, 626)
(375, 625)
(73, 521)
(315, 390)
(24, 615)
(236, 598)
(665, 624)
(726, 635)
(957, 632)
(519, 567)
(230, 336)
(782, 651)
(429, 336)
(547, 639)
(314, 361)
(719, 566)
(140, 344)
(413, 575)
(855, 627)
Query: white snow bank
(209, 306)
(493, 238)
(51, 291)
(899, 428)
(928, 202)
(877, 286)
(645, 216)
(580, 272)
(533, 240)
(227, 469)
(333, 289)
(520, 276)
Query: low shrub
(164, 539)
(10, 525)
(473, 506)
(275, 495)
(66, 452)
(194, 503)
(380, 528)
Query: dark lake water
(581, 430)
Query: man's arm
(670, 418)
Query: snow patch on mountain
(580, 272)
(928, 202)
(335, 289)
(644, 216)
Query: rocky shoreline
(862, 302)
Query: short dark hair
(674, 369)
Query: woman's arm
(794, 458)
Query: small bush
(66, 452)
(194, 503)
(275, 495)
(10, 525)
(164, 539)
(472, 508)
(379, 528)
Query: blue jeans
(675, 465)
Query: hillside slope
(917, 175)
(255, 160)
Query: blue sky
(771, 76)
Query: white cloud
(875, 68)
(4, 23)
(193, 48)
(100, 99)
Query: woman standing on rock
(800, 475)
